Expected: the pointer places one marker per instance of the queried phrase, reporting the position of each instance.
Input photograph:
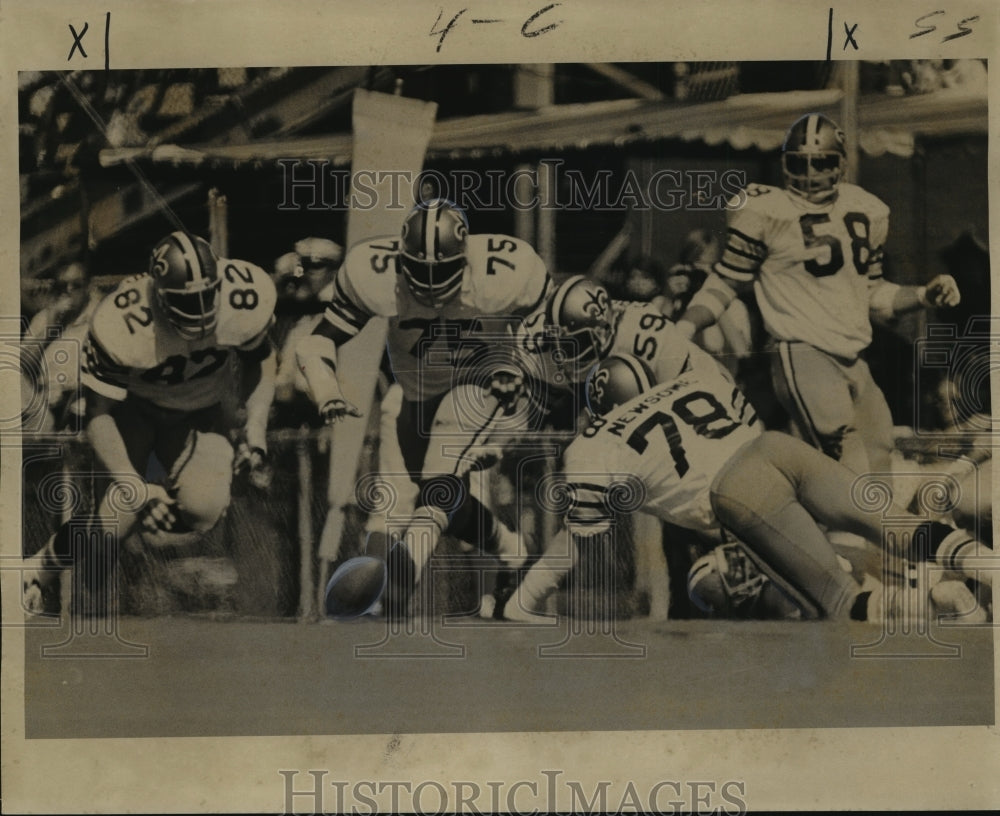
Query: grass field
(206, 677)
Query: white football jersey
(812, 264)
(659, 453)
(133, 349)
(504, 277)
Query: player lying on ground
(159, 376)
(693, 454)
(813, 252)
(446, 294)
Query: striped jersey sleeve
(589, 513)
(745, 249)
(343, 309)
(879, 233)
(364, 286)
(101, 372)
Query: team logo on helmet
(187, 283)
(597, 386)
(615, 381)
(579, 312)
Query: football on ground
(355, 587)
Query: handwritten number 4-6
(535, 25)
(927, 27)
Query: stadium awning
(887, 125)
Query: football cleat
(187, 283)
(579, 314)
(615, 381)
(813, 157)
(432, 252)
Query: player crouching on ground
(693, 456)
(160, 378)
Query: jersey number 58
(857, 227)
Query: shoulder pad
(124, 321)
(368, 275)
(505, 273)
(859, 198)
(244, 283)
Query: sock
(928, 539)
(961, 553)
(859, 609)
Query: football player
(160, 378)
(813, 252)
(691, 452)
(442, 289)
(580, 325)
(577, 326)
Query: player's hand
(507, 385)
(942, 291)
(252, 463)
(159, 514)
(336, 409)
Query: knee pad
(201, 480)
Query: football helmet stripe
(555, 305)
(195, 273)
(812, 125)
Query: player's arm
(259, 363)
(708, 304)
(105, 438)
(260, 366)
(316, 354)
(102, 431)
(105, 379)
(887, 300)
(734, 273)
(105, 382)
